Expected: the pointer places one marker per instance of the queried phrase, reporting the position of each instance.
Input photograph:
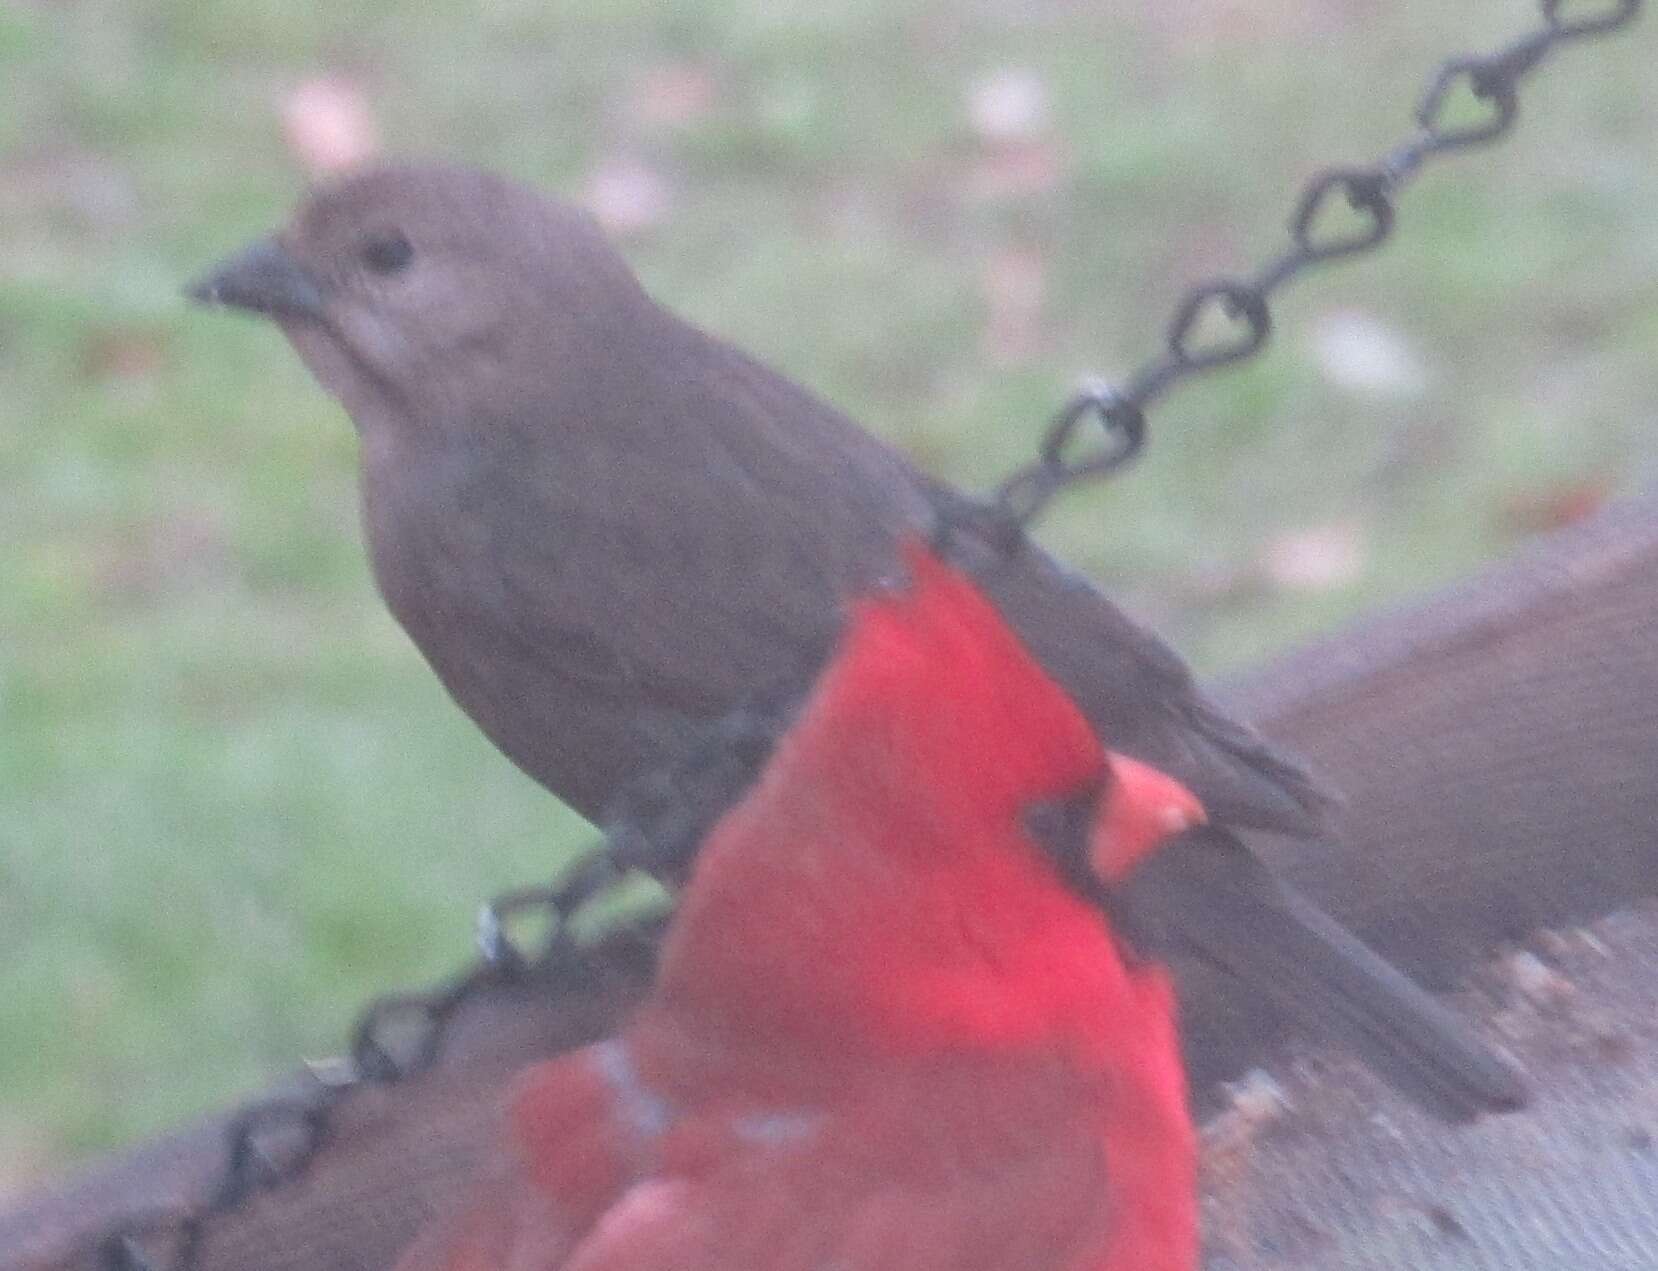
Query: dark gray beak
(262, 278)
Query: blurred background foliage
(233, 801)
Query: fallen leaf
(168, 555)
(122, 354)
(627, 196)
(1016, 171)
(1365, 355)
(1317, 558)
(1009, 106)
(1556, 506)
(329, 126)
(673, 95)
(1014, 285)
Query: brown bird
(606, 529)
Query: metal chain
(1103, 426)
(272, 1143)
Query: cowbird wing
(1136, 691)
(703, 562)
(1139, 695)
(1206, 896)
(638, 590)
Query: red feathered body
(886, 1033)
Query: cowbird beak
(262, 278)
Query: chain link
(1103, 426)
(272, 1143)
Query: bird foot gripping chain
(655, 821)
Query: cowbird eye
(387, 253)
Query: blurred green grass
(234, 803)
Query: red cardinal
(892, 1028)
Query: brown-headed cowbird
(603, 526)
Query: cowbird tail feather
(1235, 916)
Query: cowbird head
(411, 292)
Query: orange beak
(1140, 810)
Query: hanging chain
(1103, 426)
(272, 1143)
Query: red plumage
(886, 1033)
